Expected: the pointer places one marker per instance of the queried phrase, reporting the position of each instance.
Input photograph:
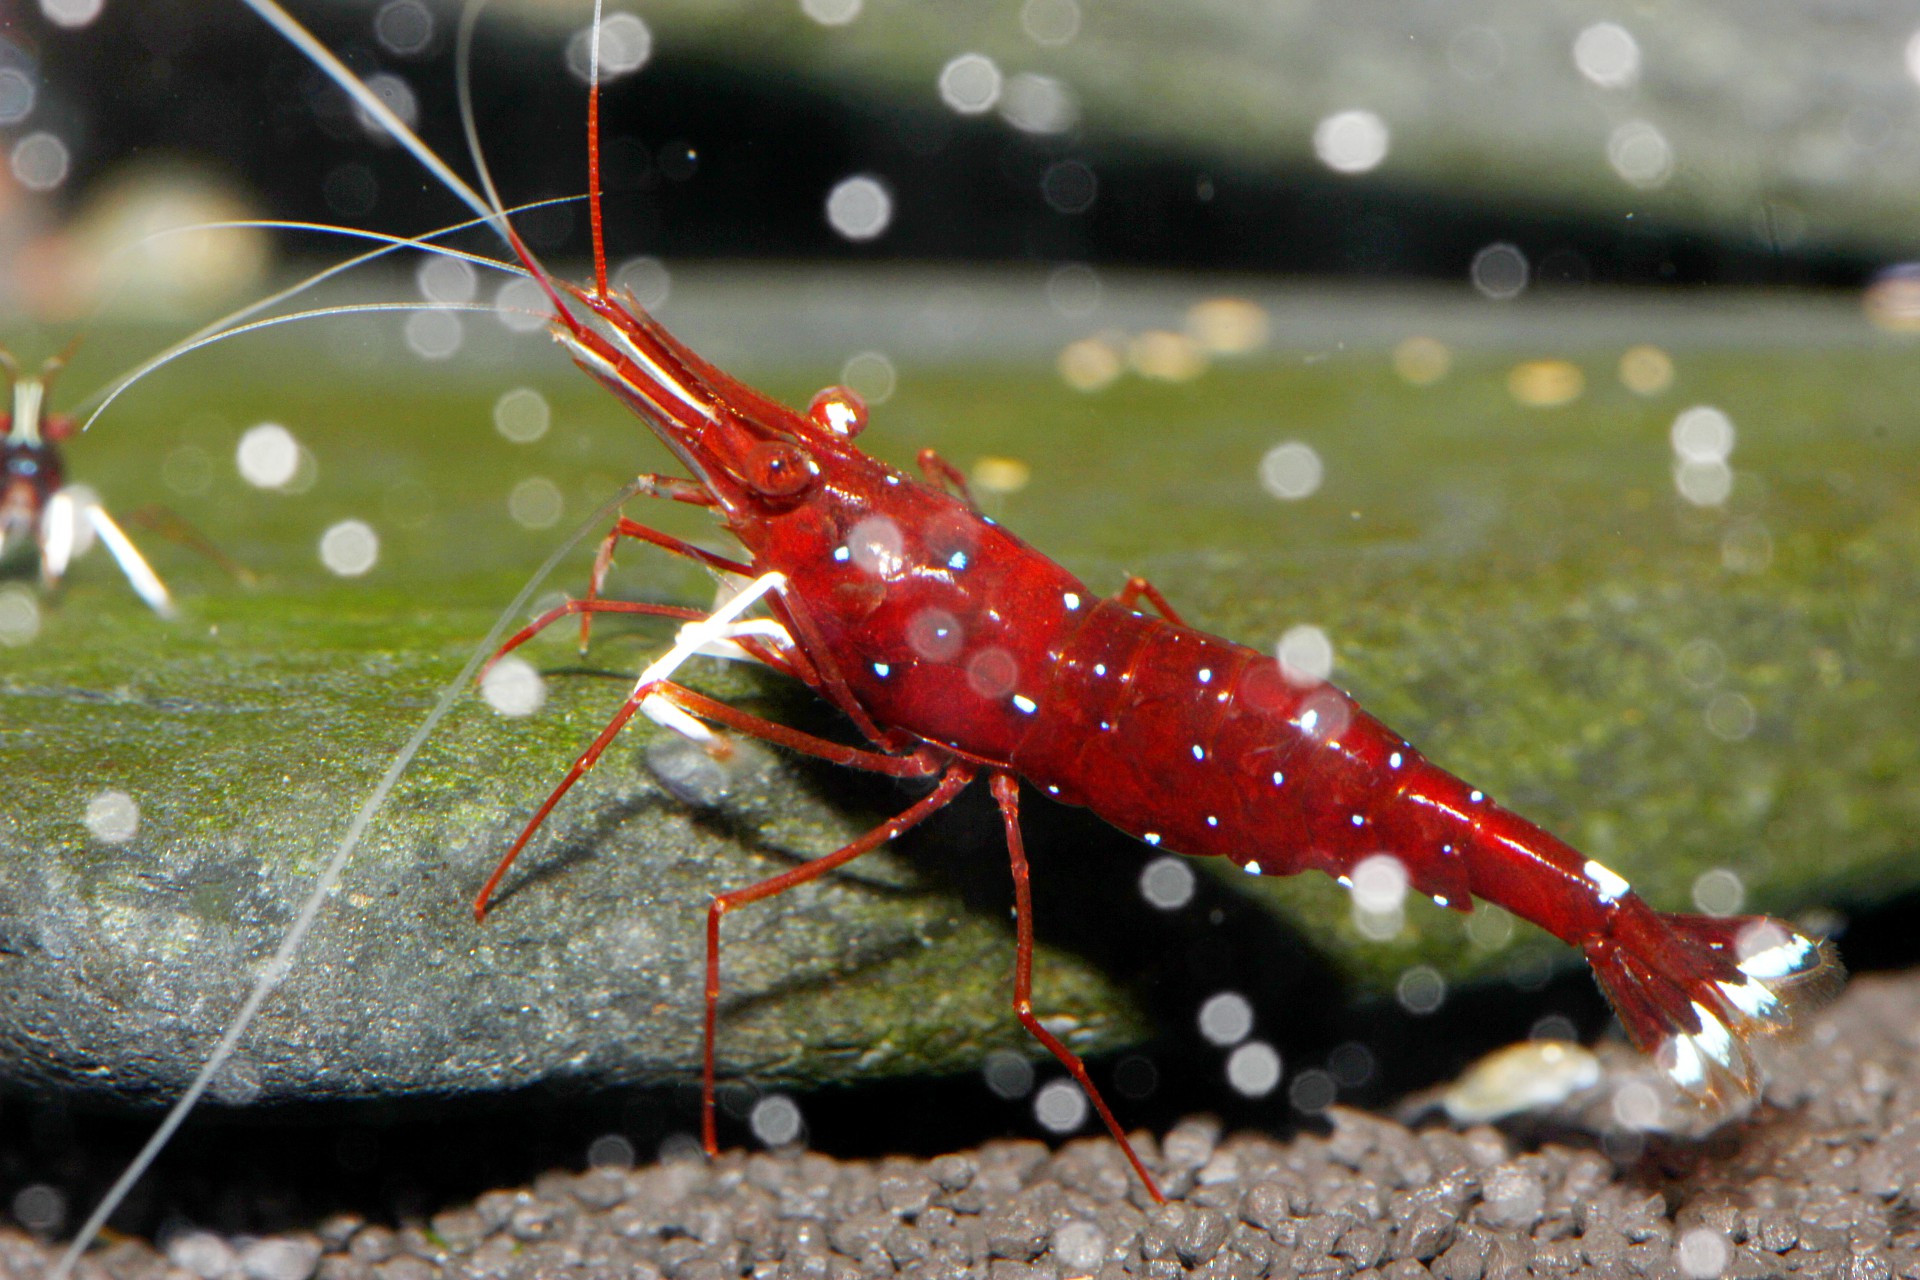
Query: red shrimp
(38, 508)
(960, 651)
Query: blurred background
(1604, 144)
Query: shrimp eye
(777, 469)
(839, 411)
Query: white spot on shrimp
(1206, 675)
(1072, 601)
(1608, 881)
(1252, 868)
(882, 670)
(842, 554)
(1099, 668)
(1199, 752)
(1152, 837)
(1278, 777)
(1439, 900)
(1394, 761)
(893, 479)
(1025, 703)
(1212, 821)
(1357, 820)
(1105, 727)
(1053, 790)
(958, 560)
(1476, 796)
(1309, 720)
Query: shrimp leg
(1137, 587)
(944, 475)
(663, 487)
(1006, 793)
(952, 783)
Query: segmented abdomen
(1206, 747)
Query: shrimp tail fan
(1705, 995)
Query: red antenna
(593, 162)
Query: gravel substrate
(1824, 1181)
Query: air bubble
(1167, 883)
(40, 1208)
(19, 615)
(831, 13)
(1702, 1254)
(350, 548)
(1039, 104)
(859, 208)
(776, 1120)
(1226, 1019)
(535, 503)
(1499, 271)
(1253, 1069)
(1640, 154)
(1702, 433)
(1351, 1064)
(878, 546)
(435, 335)
(1073, 290)
(1060, 1106)
(1421, 990)
(1731, 717)
(444, 279)
(397, 96)
(522, 415)
(403, 27)
(646, 279)
(871, 376)
(1312, 1091)
(1607, 54)
(625, 45)
(970, 84)
(1351, 141)
(1380, 882)
(1719, 892)
(267, 456)
(1069, 186)
(521, 307)
(512, 687)
(113, 817)
(1291, 471)
(72, 14)
(1306, 655)
(611, 1151)
(1050, 22)
(1704, 484)
(17, 94)
(40, 161)
(1008, 1074)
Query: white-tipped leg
(719, 628)
(146, 583)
